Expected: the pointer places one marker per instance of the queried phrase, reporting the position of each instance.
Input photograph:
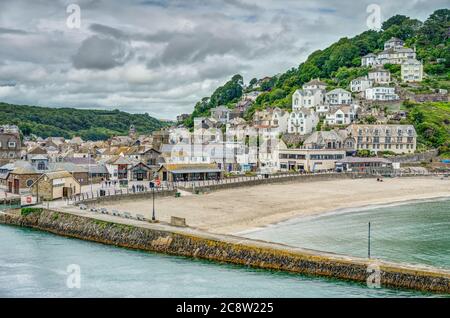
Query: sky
(162, 56)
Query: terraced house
(395, 138)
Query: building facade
(10, 144)
(302, 121)
(339, 96)
(381, 93)
(412, 71)
(394, 138)
(309, 160)
(380, 76)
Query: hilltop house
(412, 71)
(396, 56)
(379, 76)
(360, 84)
(381, 93)
(315, 84)
(393, 43)
(308, 98)
(339, 96)
(342, 115)
(302, 121)
(369, 60)
(312, 94)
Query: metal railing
(112, 192)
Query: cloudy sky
(161, 56)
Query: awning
(195, 171)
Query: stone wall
(416, 157)
(232, 250)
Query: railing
(289, 175)
(112, 192)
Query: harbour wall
(230, 249)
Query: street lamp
(152, 185)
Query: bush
(28, 211)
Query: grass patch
(28, 211)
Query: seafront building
(398, 139)
(309, 160)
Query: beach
(241, 209)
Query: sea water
(39, 264)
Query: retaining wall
(231, 249)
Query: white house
(322, 109)
(396, 56)
(360, 84)
(308, 98)
(412, 71)
(302, 121)
(393, 43)
(342, 115)
(381, 93)
(380, 76)
(369, 60)
(315, 84)
(339, 96)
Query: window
(12, 144)
(29, 182)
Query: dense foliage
(68, 122)
(340, 63)
(432, 123)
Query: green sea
(39, 264)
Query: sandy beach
(242, 209)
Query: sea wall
(229, 249)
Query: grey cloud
(12, 31)
(101, 54)
(161, 56)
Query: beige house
(55, 185)
(412, 71)
(396, 138)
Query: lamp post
(152, 185)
